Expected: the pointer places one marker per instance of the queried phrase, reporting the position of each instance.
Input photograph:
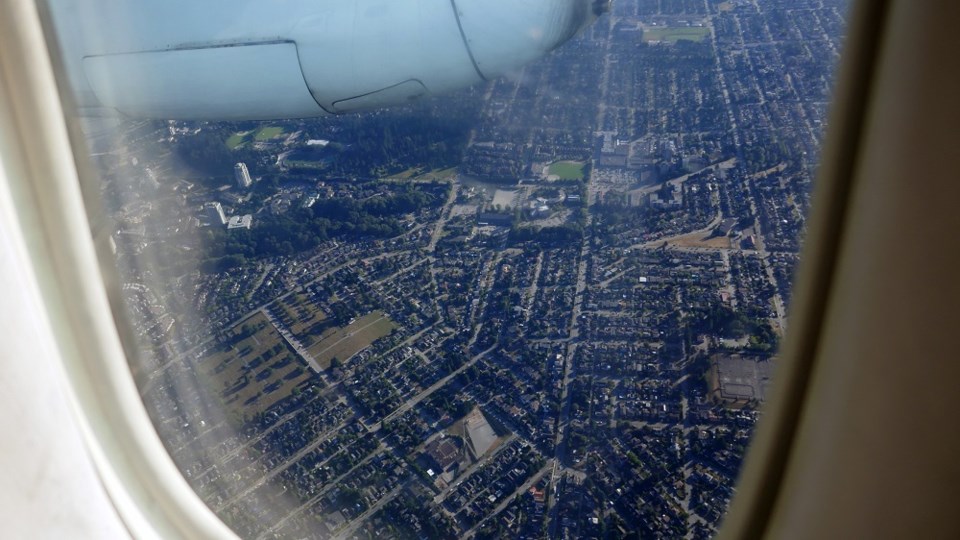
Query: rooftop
(240, 222)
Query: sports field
(567, 170)
(345, 342)
(265, 133)
(268, 132)
(237, 139)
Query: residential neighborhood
(548, 306)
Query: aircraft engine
(257, 59)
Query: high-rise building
(212, 214)
(242, 174)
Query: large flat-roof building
(240, 222)
(480, 435)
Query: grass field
(672, 35)
(301, 315)
(269, 132)
(345, 342)
(254, 370)
(417, 173)
(409, 173)
(567, 170)
(237, 139)
(438, 174)
(300, 164)
(243, 137)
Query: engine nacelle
(257, 59)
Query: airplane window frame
(151, 496)
(768, 456)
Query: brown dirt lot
(702, 240)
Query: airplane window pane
(531, 288)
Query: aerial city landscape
(548, 306)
